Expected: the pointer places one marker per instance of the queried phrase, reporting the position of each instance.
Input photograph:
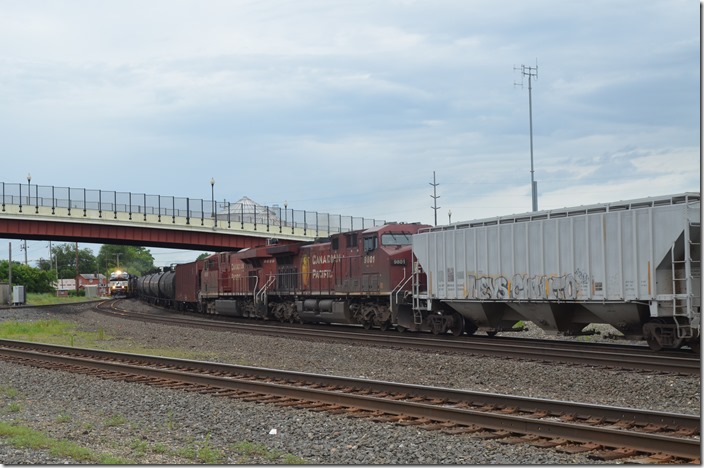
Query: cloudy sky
(348, 107)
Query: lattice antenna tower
(435, 197)
(530, 72)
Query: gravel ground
(147, 425)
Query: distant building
(88, 279)
(63, 286)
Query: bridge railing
(173, 210)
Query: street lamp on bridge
(212, 196)
(29, 188)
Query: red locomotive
(359, 277)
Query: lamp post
(449, 216)
(29, 202)
(212, 197)
(285, 213)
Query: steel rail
(524, 349)
(240, 378)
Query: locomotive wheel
(491, 333)
(401, 328)
(367, 324)
(385, 326)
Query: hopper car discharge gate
(635, 265)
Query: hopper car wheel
(458, 325)
(653, 343)
(385, 326)
(696, 346)
(401, 328)
(469, 327)
(491, 333)
(367, 324)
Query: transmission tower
(530, 72)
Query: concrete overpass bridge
(39, 212)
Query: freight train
(635, 265)
(121, 284)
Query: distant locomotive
(121, 284)
(635, 265)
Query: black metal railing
(196, 211)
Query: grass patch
(14, 407)
(202, 452)
(115, 420)
(63, 418)
(64, 333)
(25, 437)
(9, 392)
(47, 331)
(51, 298)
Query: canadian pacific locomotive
(635, 265)
(360, 277)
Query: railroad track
(607, 433)
(591, 354)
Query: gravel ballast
(148, 425)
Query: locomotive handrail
(397, 290)
(261, 292)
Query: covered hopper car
(635, 265)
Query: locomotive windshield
(396, 238)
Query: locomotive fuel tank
(325, 311)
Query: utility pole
(76, 268)
(435, 197)
(24, 247)
(530, 72)
(9, 269)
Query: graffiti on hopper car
(524, 287)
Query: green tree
(65, 256)
(34, 280)
(134, 260)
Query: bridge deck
(57, 211)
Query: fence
(166, 209)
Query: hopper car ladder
(417, 297)
(683, 302)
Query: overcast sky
(348, 107)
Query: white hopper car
(635, 265)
